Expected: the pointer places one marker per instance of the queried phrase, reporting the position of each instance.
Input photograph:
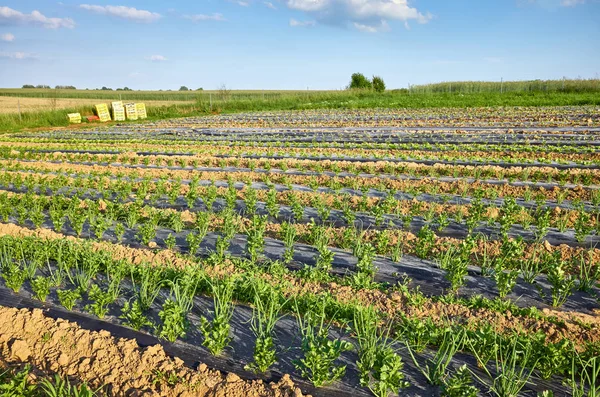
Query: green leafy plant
(59, 387)
(460, 384)
(562, 283)
(134, 315)
(265, 314)
(68, 298)
(41, 287)
(320, 353)
(289, 237)
(379, 365)
(100, 301)
(216, 333)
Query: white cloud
(18, 55)
(9, 16)
(294, 23)
(270, 5)
(130, 13)
(205, 17)
(157, 58)
(381, 27)
(365, 15)
(134, 75)
(7, 37)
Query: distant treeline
(69, 87)
(563, 85)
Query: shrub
(359, 81)
(378, 84)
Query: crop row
(498, 259)
(75, 272)
(384, 209)
(546, 174)
(370, 148)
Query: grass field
(182, 104)
(364, 252)
(10, 104)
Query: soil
(118, 366)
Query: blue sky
(293, 44)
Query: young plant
(119, 231)
(256, 237)
(216, 333)
(425, 242)
(514, 366)
(148, 285)
(589, 271)
(68, 298)
(289, 237)
(454, 262)
(589, 377)
(147, 232)
(318, 364)
(460, 384)
(265, 314)
(436, 368)
(379, 365)
(13, 276)
(100, 301)
(41, 287)
(134, 315)
(561, 282)
(170, 241)
(175, 310)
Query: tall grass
(565, 86)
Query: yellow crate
(131, 111)
(74, 118)
(141, 110)
(118, 111)
(102, 112)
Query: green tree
(378, 84)
(184, 88)
(359, 81)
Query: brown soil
(119, 366)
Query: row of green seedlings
(560, 176)
(379, 364)
(230, 151)
(454, 262)
(364, 251)
(454, 259)
(489, 191)
(586, 223)
(320, 352)
(272, 147)
(490, 159)
(18, 383)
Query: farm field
(420, 252)
(12, 104)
